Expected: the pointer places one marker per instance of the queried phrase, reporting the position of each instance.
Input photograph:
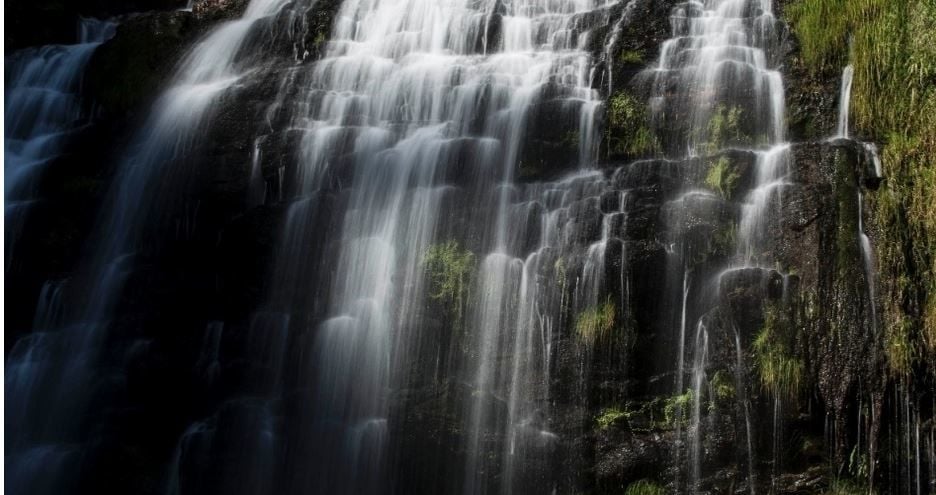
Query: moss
(724, 128)
(624, 109)
(724, 239)
(898, 348)
(722, 386)
(627, 129)
(676, 410)
(643, 142)
(781, 372)
(320, 39)
(722, 177)
(644, 487)
(610, 416)
(449, 269)
(596, 323)
(632, 57)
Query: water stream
(43, 112)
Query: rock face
(789, 396)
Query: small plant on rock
(722, 177)
(596, 322)
(644, 487)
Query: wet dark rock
(126, 73)
(217, 10)
(745, 293)
(812, 98)
(43, 22)
(622, 457)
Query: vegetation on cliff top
(892, 46)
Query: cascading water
(43, 111)
(416, 110)
(848, 76)
(713, 77)
(55, 367)
(444, 311)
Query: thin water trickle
(848, 75)
(700, 363)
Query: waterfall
(43, 112)
(412, 106)
(711, 60)
(871, 154)
(713, 77)
(845, 102)
(56, 368)
(867, 255)
(428, 278)
(772, 170)
(700, 363)
(613, 41)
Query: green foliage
(631, 57)
(643, 142)
(624, 110)
(449, 269)
(781, 372)
(722, 177)
(676, 411)
(596, 322)
(723, 386)
(627, 128)
(847, 487)
(320, 39)
(610, 416)
(893, 51)
(725, 239)
(724, 128)
(858, 464)
(898, 347)
(644, 487)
